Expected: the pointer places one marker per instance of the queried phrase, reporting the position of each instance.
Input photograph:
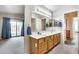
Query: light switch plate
(35, 44)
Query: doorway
(69, 24)
(69, 18)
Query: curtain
(6, 28)
(22, 30)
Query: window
(16, 26)
(13, 28)
(19, 27)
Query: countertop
(44, 34)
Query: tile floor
(66, 49)
(12, 46)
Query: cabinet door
(33, 46)
(58, 38)
(49, 42)
(42, 46)
(67, 33)
(55, 39)
(52, 39)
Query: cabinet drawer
(43, 47)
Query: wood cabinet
(33, 45)
(49, 42)
(67, 33)
(55, 39)
(59, 37)
(38, 46)
(43, 45)
(69, 23)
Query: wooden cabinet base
(44, 45)
(52, 48)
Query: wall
(0, 27)
(19, 9)
(78, 15)
(59, 15)
(28, 15)
(7, 15)
(76, 24)
(63, 9)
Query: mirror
(39, 19)
(57, 23)
(33, 24)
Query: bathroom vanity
(43, 43)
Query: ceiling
(18, 9)
(52, 7)
(57, 7)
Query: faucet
(39, 33)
